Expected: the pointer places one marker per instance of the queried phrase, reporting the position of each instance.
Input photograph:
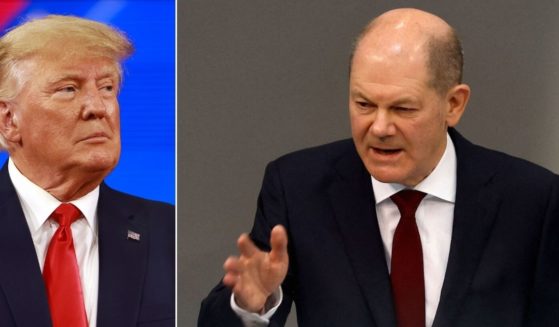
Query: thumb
(278, 241)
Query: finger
(232, 264)
(230, 279)
(278, 241)
(246, 246)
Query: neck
(70, 191)
(65, 186)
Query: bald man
(408, 224)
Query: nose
(93, 106)
(382, 125)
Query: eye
(108, 89)
(65, 92)
(67, 89)
(404, 109)
(365, 104)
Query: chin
(387, 176)
(101, 162)
(383, 177)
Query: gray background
(260, 78)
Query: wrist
(256, 304)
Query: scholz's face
(68, 115)
(398, 121)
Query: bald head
(413, 35)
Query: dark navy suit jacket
(503, 262)
(136, 278)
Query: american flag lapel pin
(133, 236)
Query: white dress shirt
(38, 205)
(434, 217)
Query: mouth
(386, 152)
(95, 137)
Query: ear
(457, 99)
(9, 127)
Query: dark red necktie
(61, 272)
(406, 271)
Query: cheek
(427, 141)
(116, 122)
(113, 113)
(359, 125)
(36, 126)
(111, 106)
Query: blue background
(147, 100)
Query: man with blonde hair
(74, 252)
(408, 224)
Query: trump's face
(67, 115)
(398, 122)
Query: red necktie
(61, 272)
(406, 272)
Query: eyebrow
(405, 100)
(79, 77)
(397, 102)
(359, 94)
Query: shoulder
(311, 170)
(130, 200)
(505, 169)
(317, 158)
(321, 152)
(521, 176)
(137, 206)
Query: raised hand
(255, 275)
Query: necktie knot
(66, 214)
(407, 202)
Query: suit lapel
(20, 274)
(353, 202)
(475, 210)
(474, 213)
(122, 260)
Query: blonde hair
(54, 36)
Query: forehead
(391, 77)
(399, 50)
(46, 67)
(389, 61)
(394, 66)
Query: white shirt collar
(38, 204)
(441, 183)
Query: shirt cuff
(251, 319)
